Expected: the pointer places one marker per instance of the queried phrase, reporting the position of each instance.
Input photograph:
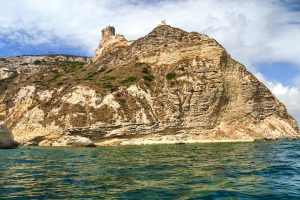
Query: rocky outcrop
(13, 65)
(66, 140)
(170, 86)
(109, 42)
(6, 138)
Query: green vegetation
(107, 85)
(148, 78)
(102, 78)
(36, 62)
(86, 78)
(101, 70)
(108, 78)
(145, 70)
(170, 75)
(55, 74)
(109, 71)
(110, 86)
(91, 75)
(72, 66)
(130, 79)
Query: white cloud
(253, 31)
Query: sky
(264, 35)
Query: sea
(251, 170)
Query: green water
(195, 171)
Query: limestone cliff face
(170, 86)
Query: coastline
(129, 143)
(118, 142)
(156, 139)
(122, 142)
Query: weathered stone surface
(67, 140)
(109, 42)
(83, 142)
(13, 65)
(170, 86)
(6, 138)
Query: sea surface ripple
(262, 170)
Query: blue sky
(263, 35)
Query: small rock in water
(67, 140)
(83, 142)
(6, 138)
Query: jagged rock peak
(109, 42)
(108, 31)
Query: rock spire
(109, 41)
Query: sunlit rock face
(109, 42)
(170, 86)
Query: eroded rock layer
(170, 86)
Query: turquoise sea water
(267, 170)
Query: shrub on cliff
(130, 79)
(148, 78)
(170, 75)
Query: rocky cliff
(170, 86)
(13, 65)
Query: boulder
(6, 138)
(67, 140)
(83, 142)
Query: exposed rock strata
(170, 86)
